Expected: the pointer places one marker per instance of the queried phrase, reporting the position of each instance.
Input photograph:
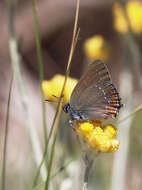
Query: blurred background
(109, 30)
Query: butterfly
(95, 96)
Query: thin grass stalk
(15, 61)
(59, 109)
(56, 121)
(46, 147)
(52, 127)
(137, 109)
(45, 150)
(61, 169)
(53, 146)
(40, 65)
(60, 104)
(6, 136)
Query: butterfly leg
(89, 121)
(71, 124)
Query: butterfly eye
(66, 108)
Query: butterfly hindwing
(95, 96)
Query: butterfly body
(74, 115)
(94, 96)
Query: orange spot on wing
(111, 92)
(109, 89)
(113, 114)
(114, 101)
(112, 109)
(113, 96)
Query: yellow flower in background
(120, 22)
(96, 48)
(134, 13)
(53, 87)
(103, 140)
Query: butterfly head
(74, 114)
(66, 108)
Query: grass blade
(59, 108)
(40, 64)
(6, 136)
(16, 61)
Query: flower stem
(88, 164)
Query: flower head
(102, 139)
(52, 88)
(96, 48)
(134, 17)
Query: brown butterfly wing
(95, 96)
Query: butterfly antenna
(55, 96)
(55, 101)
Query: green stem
(59, 108)
(40, 64)
(46, 148)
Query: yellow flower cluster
(134, 14)
(96, 48)
(53, 87)
(101, 139)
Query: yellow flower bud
(84, 129)
(110, 131)
(98, 138)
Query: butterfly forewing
(95, 96)
(97, 73)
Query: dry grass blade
(59, 108)
(131, 114)
(6, 136)
(16, 61)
